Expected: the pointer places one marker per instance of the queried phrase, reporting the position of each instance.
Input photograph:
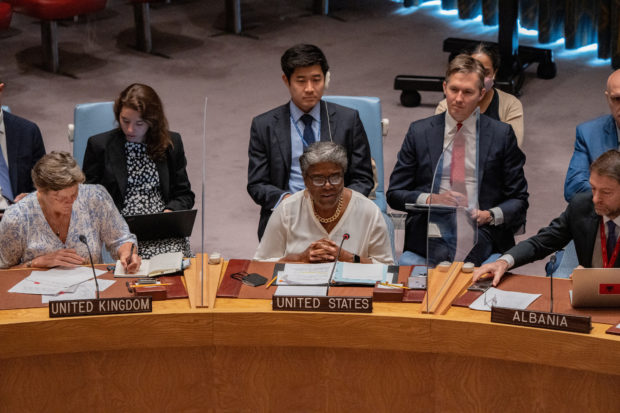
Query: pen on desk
(271, 282)
(150, 285)
(393, 285)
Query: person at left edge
(278, 137)
(22, 146)
(142, 164)
(43, 230)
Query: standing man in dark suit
(591, 219)
(278, 137)
(22, 146)
(499, 185)
(593, 138)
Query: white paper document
(54, 281)
(354, 273)
(368, 272)
(84, 291)
(305, 274)
(302, 290)
(505, 299)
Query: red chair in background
(5, 15)
(49, 12)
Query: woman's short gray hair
(323, 152)
(56, 171)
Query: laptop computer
(596, 287)
(177, 224)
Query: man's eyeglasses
(320, 180)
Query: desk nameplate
(323, 304)
(102, 306)
(542, 319)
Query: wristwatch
(492, 217)
(356, 258)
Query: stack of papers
(304, 280)
(351, 273)
(305, 274)
(61, 284)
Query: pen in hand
(130, 255)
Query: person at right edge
(591, 219)
(279, 136)
(593, 138)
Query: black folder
(175, 224)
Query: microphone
(550, 275)
(83, 240)
(345, 237)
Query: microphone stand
(83, 240)
(345, 236)
(550, 274)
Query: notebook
(161, 264)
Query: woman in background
(142, 164)
(495, 103)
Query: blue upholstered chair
(90, 119)
(565, 262)
(369, 109)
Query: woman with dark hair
(142, 164)
(495, 103)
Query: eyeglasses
(320, 180)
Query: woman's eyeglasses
(320, 180)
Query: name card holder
(102, 306)
(323, 304)
(542, 319)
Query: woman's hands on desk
(323, 250)
(65, 258)
(495, 269)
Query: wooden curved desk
(241, 356)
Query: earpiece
(329, 127)
(328, 76)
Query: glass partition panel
(452, 208)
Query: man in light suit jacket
(591, 219)
(593, 138)
(22, 146)
(278, 137)
(501, 186)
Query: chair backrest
(369, 109)
(6, 108)
(90, 119)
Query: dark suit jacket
(105, 163)
(24, 146)
(270, 156)
(579, 222)
(501, 181)
(593, 138)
